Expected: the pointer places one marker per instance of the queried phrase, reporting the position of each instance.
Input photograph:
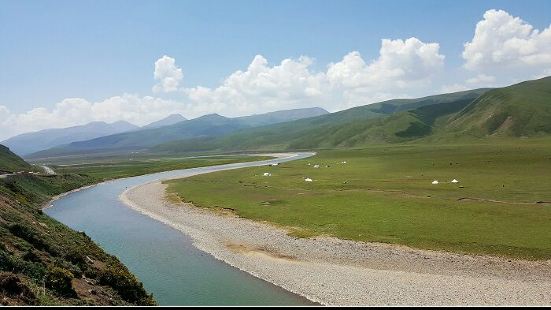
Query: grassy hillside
(43, 262)
(519, 110)
(9, 162)
(280, 116)
(387, 121)
(384, 193)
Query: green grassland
(120, 168)
(502, 205)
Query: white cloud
(262, 88)
(452, 88)
(482, 79)
(167, 74)
(503, 43)
(402, 67)
(77, 111)
(4, 113)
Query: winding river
(163, 258)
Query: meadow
(501, 205)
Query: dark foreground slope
(43, 262)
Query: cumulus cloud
(482, 79)
(77, 111)
(503, 43)
(262, 87)
(452, 88)
(402, 67)
(167, 74)
(398, 60)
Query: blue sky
(95, 50)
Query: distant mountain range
(28, 143)
(167, 121)
(211, 125)
(518, 110)
(356, 126)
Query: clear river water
(163, 258)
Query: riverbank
(43, 262)
(119, 176)
(338, 272)
(136, 241)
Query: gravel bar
(340, 272)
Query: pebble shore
(331, 271)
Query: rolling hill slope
(379, 122)
(518, 110)
(9, 162)
(522, 109)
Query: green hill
(9, 162)
(389, 121)
(522, 109)
(519, 110)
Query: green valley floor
(501, 205)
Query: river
(163, 258)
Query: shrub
(125, 284)
(59, 280)
(12, 286)
(29, 235)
